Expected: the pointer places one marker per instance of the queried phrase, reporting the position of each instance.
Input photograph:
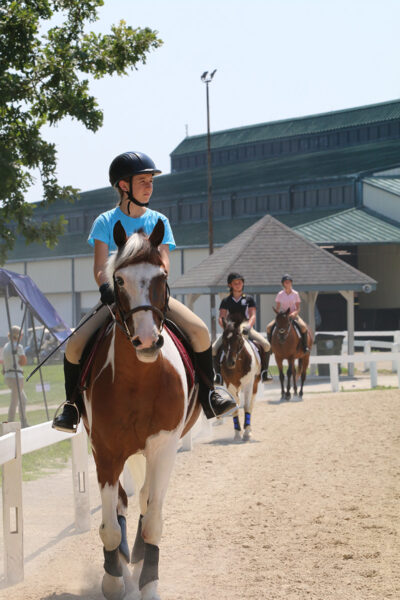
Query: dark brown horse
(137, 401)
(240, 370)
(286, 344)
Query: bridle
(240, 345)
(284, 333)
(124, 315)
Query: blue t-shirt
(103, 226)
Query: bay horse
(286, 344)
(240, 370)
(137, 400)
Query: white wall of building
(383, 202)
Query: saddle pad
(187, 361)
(256, 351)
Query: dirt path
(308, 510)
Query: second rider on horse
(240, 303)
(288, 298)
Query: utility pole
(207, 78)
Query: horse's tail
(299, 367)
(137, 467)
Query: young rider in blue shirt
(132, 174)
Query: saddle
(178, 337)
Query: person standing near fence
(13, 360)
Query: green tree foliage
(43, 79)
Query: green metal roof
(285, 170)
(363, 115)
(196, 234)
(351, 227)
(389, 183)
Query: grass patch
(52, 375)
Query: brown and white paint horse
(286, 344)
(137, 401)
(241, 372)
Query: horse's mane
(137, 249)
(234, 321)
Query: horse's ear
(276, 311)
(287, 311)
(223, 322)
(157, 235)
(119, 234)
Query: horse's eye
(119, 280)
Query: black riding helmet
(233, 276)
(286, 278)
(129, 164)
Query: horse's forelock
(133, 247)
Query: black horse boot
(304, 341)
(214, 403)
(69, 418)
(217, 369)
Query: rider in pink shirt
(288, 298)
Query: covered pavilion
(262, 253)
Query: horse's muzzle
(148, 354)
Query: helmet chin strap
(132, 199)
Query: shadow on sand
(231, 442)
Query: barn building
(334, 178)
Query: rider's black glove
(106, 294)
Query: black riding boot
(304, 341)
(217, 369)
(69, 418)
(265, 374)
(214, 403)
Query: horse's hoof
(247, 435)
(287, 397)
(237, 437)
(149, 591)
(113, 588)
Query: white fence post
(367, 350)
(396, 348)
(373, 370)
(12, 510)
(80, 481)
(334, 375)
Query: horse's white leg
(248, 408)
(160, 453)
(113, 585)
(236, 421)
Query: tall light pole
(207, 78)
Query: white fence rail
(15, 442)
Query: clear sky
(275, 59)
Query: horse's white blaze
(110, 531)
(137, 281)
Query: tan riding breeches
(253, 335)
(195, 329)
(79, 339)
(299, 321)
